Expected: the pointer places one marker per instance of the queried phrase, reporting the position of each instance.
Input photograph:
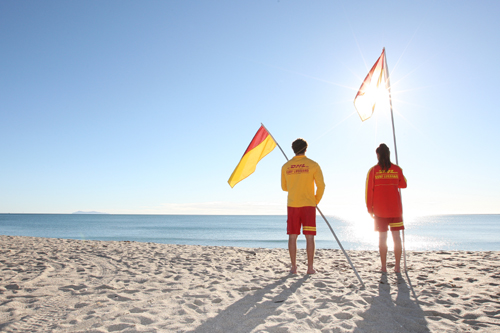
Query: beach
(63, 285)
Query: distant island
(91, 212)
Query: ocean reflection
(422, 233)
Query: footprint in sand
(80, 305)
(146, 321)
(301, 315)
(325, 319)
(343, 315)
(118, 327)
(137, 310)
(470, 316)
(119, 298)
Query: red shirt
(382, 194)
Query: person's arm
(402, 180)
(369, 191)
(320, 184)
(283, 180)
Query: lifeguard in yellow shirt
(298, 178)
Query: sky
(146, 107)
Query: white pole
(341, 247)
(329, 226)
(388, 84)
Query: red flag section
(261, 145)
(370, 89)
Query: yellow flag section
(370, 89)
(261, 145)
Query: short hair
(299, 146)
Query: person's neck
(297, 155)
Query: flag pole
(275, 141)
(341, 247)
(388, 83)
(324, 218)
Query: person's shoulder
(395, 166)
(373, 168)
(290, 161)
(311, 161)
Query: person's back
(383, 190)
(298, 178)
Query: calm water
(443, 232)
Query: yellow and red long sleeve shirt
(298, 177)
(382, 194)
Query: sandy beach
(59, 285)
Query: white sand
(57, 285)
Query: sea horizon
(168, 214)
(468, 232)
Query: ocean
(439, 232)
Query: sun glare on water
(358, 228)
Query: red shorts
(382, 224)
(301, 216)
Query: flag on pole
(261, 145)
(369, 92)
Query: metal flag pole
(341, 247)
(324, 218)
(388, 83)
(277, 144)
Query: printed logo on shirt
(389, 174)
(297, 169)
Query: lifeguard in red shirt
(383, 202)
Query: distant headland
(90, 212)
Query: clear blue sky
(147, 106)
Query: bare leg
(398, 249)
(310, 248)
(292, 249)
(382, 248)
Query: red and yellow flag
(261, 145)
(369, 92)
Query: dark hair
(299, 146)
(384, 156)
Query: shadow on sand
(252, 310)
(387, 315)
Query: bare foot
(311, 271)
(293, 270)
